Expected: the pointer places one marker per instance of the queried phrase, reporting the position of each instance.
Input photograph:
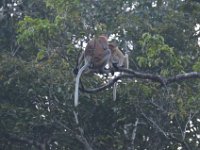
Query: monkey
(118, 59)
(96, 56)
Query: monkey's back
(98, 51)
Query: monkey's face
(112, 47)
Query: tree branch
(81, 130)
(103, 87)
(140, 75)
(182, 77)
(167, 135)
(184, 144)
(134, 134)
(80, 137)
(155, 125)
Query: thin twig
(134, 134)
(155, 124)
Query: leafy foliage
(40, 41)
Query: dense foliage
(40, 42)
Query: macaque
(96, 56)
(118, 59)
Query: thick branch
(182, 77)
(103, 87)
(140, 75)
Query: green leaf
(196, 66)
(40, 55)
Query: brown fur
(96, 55)
(117, 57)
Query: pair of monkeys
(98, 53)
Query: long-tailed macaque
(118, 59)
(96, 56)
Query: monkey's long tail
(114, 91)
(77, 84)
(126, 61)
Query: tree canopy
(158, 97)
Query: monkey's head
(112, 47)
(103, 41)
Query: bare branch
(184, 144)
(140, 75)
(181, 77)
(155, 124)
(167, 134)
(80, 136)
(158, 107)
(190, 117)
(103, 87)
(134, 134)
(81, 130)
(160, 79)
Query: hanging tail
(114, 91)
(77, 84)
